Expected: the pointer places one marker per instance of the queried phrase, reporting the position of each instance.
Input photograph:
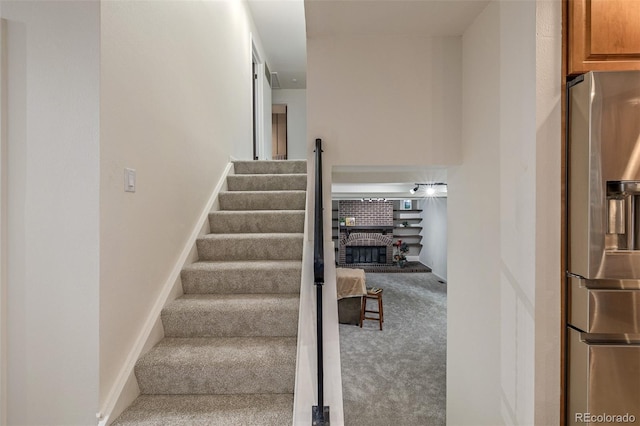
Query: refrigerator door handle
(576, 276)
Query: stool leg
(380, 307)
(362, 309)
(380, 310)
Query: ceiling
(327, 18)
(281, 24)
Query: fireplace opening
(365, 254)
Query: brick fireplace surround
(367, 214)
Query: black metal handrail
(320, 413)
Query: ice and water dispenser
(623, 215)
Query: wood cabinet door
(603, 35)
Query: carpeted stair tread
(256, 221)
(208, 410)
(262, 200)
(267, 246)
(229, 365)
(270, 167)
(232, 315)
(267, 182)
(229, 352)
(257, 276)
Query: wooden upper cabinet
(603, 35)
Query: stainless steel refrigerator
(603, 258)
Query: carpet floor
(397, 376)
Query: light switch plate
(129, 180)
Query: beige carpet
(397, 376)
(229, 352)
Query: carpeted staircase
(229, 352)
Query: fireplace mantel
(382, 228)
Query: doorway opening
(385, 226)
(279, 132)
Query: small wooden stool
(376, 294)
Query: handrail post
(320, 413)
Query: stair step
(267, 182)
(226, 315)
(262, 200)
(257, 221)
(270, 167)
(242, 277)
(226, 365)
(250, 247)
(207, 410)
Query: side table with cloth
(350, 288)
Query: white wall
(492, 223)
(473, 290)
(517, 209)
(3, 224)
(53, 211)
(385, 100)
(548, 169)
(176, 104)
(434, 235)
(296, 101)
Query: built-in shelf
(414, 245)
(408, 234)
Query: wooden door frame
(563, 219)
(286, 118)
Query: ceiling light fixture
(371, 200)
(431, 187)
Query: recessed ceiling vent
(275, 82)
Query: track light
(431, 187)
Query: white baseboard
(122, 392)
(438, 276)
